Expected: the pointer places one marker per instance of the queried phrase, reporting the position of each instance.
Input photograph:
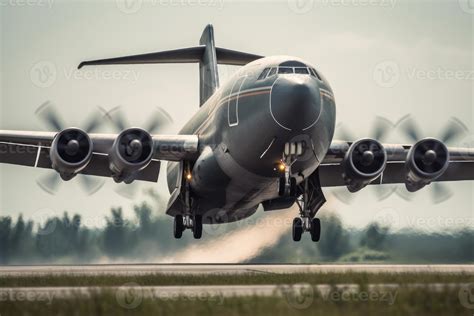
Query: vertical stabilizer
(208, 75)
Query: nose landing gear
(309, 203)
(288, 185)
(190, 220)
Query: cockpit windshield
(282, 70)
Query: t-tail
(206, 54)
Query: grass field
(398, 301)
(408, 302)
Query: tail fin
(208, 74)
(207, 55)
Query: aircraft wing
(332, 169)
(32, 149)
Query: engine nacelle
(71, 152)
(427, 160)
(365, 160)
(131, 152)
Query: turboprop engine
(131, 152)
(363, 162)
(427, 160)
(71, 152)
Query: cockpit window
(301, 70)
(314, 73)
(272, 72)
(268, 72)
(285, 70)
(263, 74)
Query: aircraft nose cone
(295, 103)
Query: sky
(383, 58)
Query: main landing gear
(187, 222)
(190, 220)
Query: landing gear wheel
(197, 227)
(178, 226)
(282, 186)
(297, 230)
(315, 229)
(292, 186)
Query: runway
(210, 269)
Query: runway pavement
(144, 269)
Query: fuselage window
(285, 70)
(315, 73)
(263, 74)
(301, 70)
(272, 72)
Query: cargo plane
(265, 137)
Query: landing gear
(187, 222)
(288, 186)
(315, 229)
(309, 203)
(178, 226)
(190, 220)
(197, 227)
(297, 230)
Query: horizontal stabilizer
(182, 55)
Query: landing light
(188, 176)
(281, 167)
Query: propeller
(452, 131)
(158, 122)
(49, 115)
(381, 127)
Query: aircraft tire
(297, 229)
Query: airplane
(265, 137)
